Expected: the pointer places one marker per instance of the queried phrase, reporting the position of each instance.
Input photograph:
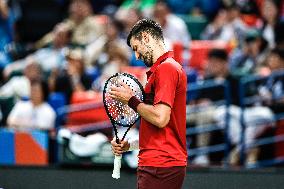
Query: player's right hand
(118, 149)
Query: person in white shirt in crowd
(174, 28)
(35, 113)
(19, 86)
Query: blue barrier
(207, 128)
(245, 100)
(62, 111)
(207, 149)
(194, 90)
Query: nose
(136, 55)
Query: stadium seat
(199, 50)
(250, 20)
(91, 108)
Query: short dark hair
(146, 25)
(218, 53)
(279, 52)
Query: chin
(148, 65)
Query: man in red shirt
(162, 135)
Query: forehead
(215, 59)
(274, 56)
(134, 42)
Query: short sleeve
(166, 79)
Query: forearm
(152, 114)
(158, 115)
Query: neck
(160, 49)
(36, 103)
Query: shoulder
(169, 65)
(169, 69)
(23, 105)
(45, 107)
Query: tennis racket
(121, 115)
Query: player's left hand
(118, 149)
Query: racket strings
(116, 134)
(121, 113)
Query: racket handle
(116, 167)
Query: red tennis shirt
(165, 147)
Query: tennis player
(162, 134)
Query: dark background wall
(100, 178)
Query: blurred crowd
(85, 43)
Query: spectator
(273, 90)
(50, 57)
(85, 27)
(217, 71)
(236, 24)
(95, 52)
(6, 32)
(174, 28)
(19, 86)
(226, 26)
(275, 60)
(250, 56)
(217, 29)
(73, 77)
(271, 16)
(34, 113)
(128, 17)
(117, 59)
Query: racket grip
(116, 167)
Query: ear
(145, 37)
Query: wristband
(133, 102)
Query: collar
(169, 54)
